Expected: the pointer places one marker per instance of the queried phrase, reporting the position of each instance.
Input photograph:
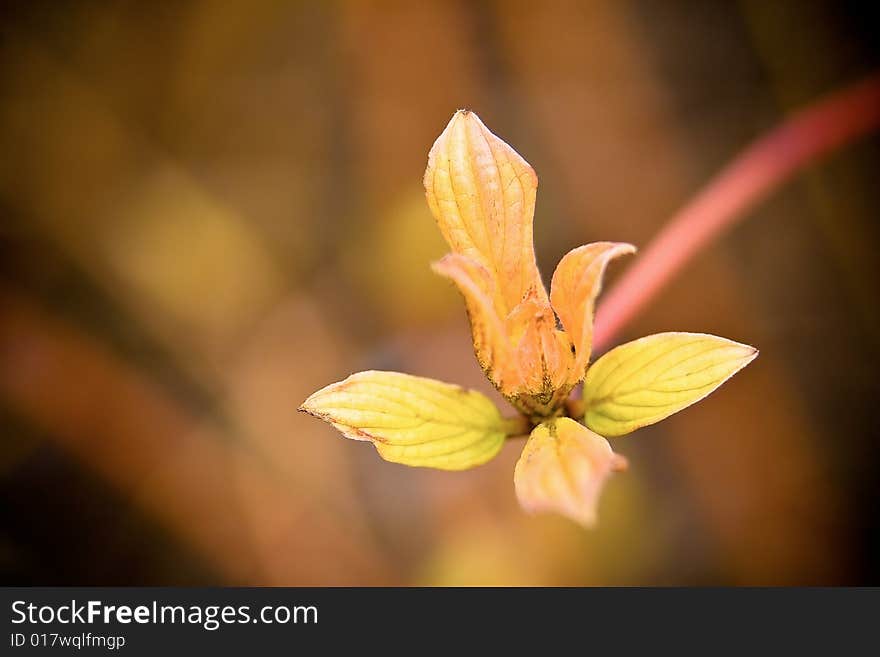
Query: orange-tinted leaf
(482, 193)
(541, 352)
(563, 469)
(480, 291)
(576, 283)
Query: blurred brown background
(209, 210)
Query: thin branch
(769, 162)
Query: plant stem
(575, 408)
(517, 427)
(770, 161)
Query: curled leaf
(412, 420)
(480, 291)
(482, 194)
(540, 352)
(646, 380)
(563, 469)
(576, 283)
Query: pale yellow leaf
(563, 469)
(644, 381)
(412, 420)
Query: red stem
(767, 163)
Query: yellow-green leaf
(412, 420)
(646, 380)
(563, 469)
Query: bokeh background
(208, 210)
